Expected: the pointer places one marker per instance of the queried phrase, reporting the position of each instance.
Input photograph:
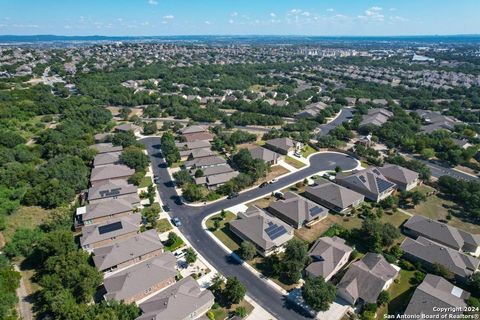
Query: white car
(273, 180)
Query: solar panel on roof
(274, 231)
(110, 227)
(315, 211)
(363, 179)
(376, 171)
(383, 184)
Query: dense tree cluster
(465, 193)
(170, 150)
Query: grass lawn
(276, 171)
(314, 232)
(224, 312)
(145, 182)
(307, 150)
(164, 225)
(25, 217)
(223, 233)
(176, 245)
(400, 294)
(437, 208)
(262, 202)
(294, 162)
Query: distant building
(266, 155)
(376, 117)
(107, 158)
(103, 211)
(281, 145)
(112, 172)
(113, 190)
(106, 147)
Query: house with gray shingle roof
(102, 211)
(434, 294)
(328, 256)
(267, 233)
(113, 190)
(127, 252)
(404, 178)
(102, 234)
(369, 182)
(107, 158)
(443, 234)
(141, 280)
(204, 162)
(106, 147)
(429, 253)
(333, 196)
(365, 279)
(297, 211)
(376, 117)
(112, 172)
(266, 155)
(281, 145)
(215, 180)
(183, 300)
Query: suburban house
(435, 120)
(376, 117)
(205, 162)
(186, 148)
(434, 294)
(106, 147)
(200, 153)
(141, 280)
(281, 145)
(266, 155)
(369, 182)
(462, 143)
(128, 127)
(210, 171)
(215, 180)
(365, 279)
(329, 255)
(429, 253)
(103, 211)
(267, 233)
(129, 251)
(297, 211)
(312, 110)
(106, 158)
(404, 178)
(105, 233)
(113, 190)
(196, 133)
(333, 196)
(112, 172)
(185, 300)
(101, 137)
(442, 233)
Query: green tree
(318, 294)
(247, 250)
(442, 271)
(217, 283)
(383, 298)
(241, 312)
(151, 214)
(294, 260)
(124, 139)
(234, 291)
(190, 255)
(134, 158)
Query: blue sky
(240, 17)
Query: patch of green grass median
(145, 182)
(222, 231)
(400, 293)
(307, 150)
(294, 162)
(163, 225)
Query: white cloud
(272, 14)
(398, 19)
(234, 14)
(208, 22)
(146, 23)
(373, 14)
(330, 10)
(392, 9)
(168, 17)
(152, 2)
(231, 21)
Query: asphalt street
(191, 218)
